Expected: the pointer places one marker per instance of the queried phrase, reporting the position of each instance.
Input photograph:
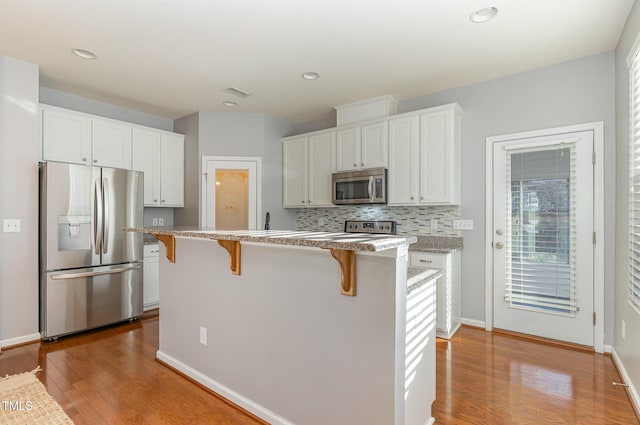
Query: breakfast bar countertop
(327, 240)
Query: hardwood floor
(491, 378)
(110, 377)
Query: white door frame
(598, 219)
(203, 184)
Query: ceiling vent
(236, 92)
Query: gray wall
(19, 200)
(190, 214)
(627, 349)
(574, 92)
(90, 106)
(235, 134)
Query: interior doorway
(231, 193)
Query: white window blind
(540, 263)
(634, 181)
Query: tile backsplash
(410, 220)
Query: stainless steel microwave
(360, 187)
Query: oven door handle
(372, 194)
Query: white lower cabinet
(448, 288)
(151, 279)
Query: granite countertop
(437, 244)
(149, 239)
(418, 276)
(345, 241)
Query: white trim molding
(631, 389)
(203, 184)
(7, 343)
(473, 322)
(598, 219)
(225, 392)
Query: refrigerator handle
(105, 191)
(97, 216)
(91, 274)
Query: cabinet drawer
(427, 260)
(151, 250)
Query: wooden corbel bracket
(169, 243)
(347, 261)
(235, 250)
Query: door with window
(543, 252)
(230, 194)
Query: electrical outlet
(434, 224)
(154, 221)
(203, 335)
(623, 329)
(463, 224)
(161, 221)
(11, 225)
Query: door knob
(499, 245)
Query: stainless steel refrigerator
(90, 270)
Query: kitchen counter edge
(327, 240)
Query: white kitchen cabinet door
(448, 288)
(151, 277)
(66, 136)
(145, 157)
(294, 179)
(171, 170)
(402, 178)
(320, 167)
(110, 144)
(439, 158)
(348, 149)
(374, 145)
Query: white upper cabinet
(145, 155)
(110, 144)
(74, 137)
(79, 138)
(420, 149)
(321, 151)
(424, 157)
(308, 163)
(171, 170)
(440, 157)
(66, 136)
(294, 172)
(374, 145)
(361, 147)
(402, 177)
(160, 155)
(348, 149)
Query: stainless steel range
(377, 227)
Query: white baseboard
(606, 348)
(19, 340)
(472, 322)
(633, 394)
(218, 388)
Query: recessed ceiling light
(310, 75)
(83, 53)
(230, 103)
(483, 15)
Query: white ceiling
(174, 57)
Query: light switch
(11, 225)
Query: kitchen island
(300, 327)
